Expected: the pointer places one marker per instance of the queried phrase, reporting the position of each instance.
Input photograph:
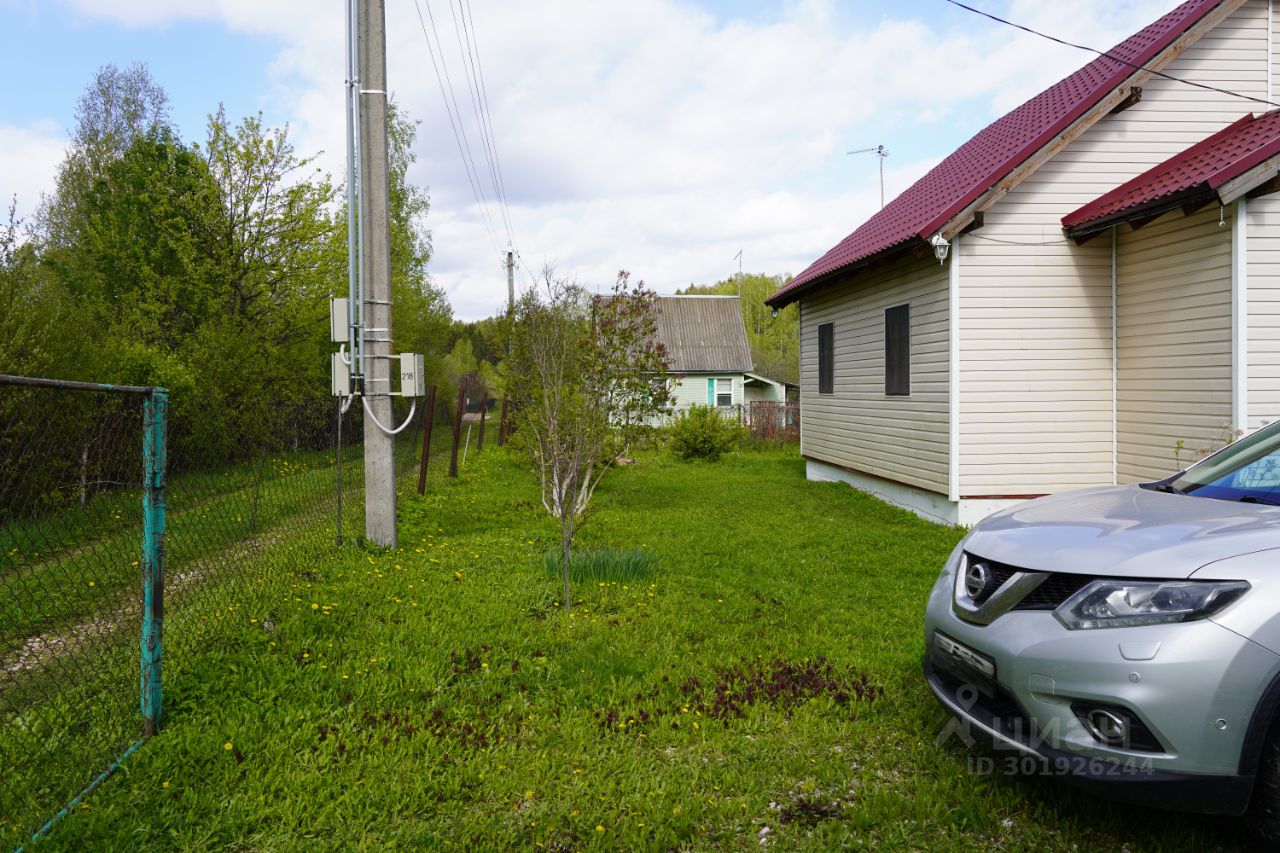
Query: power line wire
(484, 99)
(459, 131)
(470, 73)
(1112, 56)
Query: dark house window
(897, 351)
(826, 358)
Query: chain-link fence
(134, 530)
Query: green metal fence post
(154, 460)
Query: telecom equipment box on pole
(412, 381)
(339, 322)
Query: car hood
(1126, 531)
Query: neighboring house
(1110, 290)
(706, 343)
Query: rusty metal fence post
(457, 433)
(155, 464)
(426, 439)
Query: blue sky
(662, 136)
(198, 63)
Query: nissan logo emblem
(976, 579)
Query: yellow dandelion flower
(227, 746)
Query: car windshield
(1248, 471)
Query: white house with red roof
(1109, 295)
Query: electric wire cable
(1112, 56)
(473, 87)
(484, 99)
(459, 133)
(413, 407)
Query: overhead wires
(1113, 57)
(497, 224)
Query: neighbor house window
(826, 358)
(724, 392)
(897, 351)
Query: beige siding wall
(1274, 34)
(1174, 341)
(1263, 241)
(1035, 309)
(858, 427)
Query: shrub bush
(702, 432)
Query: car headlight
(1123, 603)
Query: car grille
(1056, 589)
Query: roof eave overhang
(783, 298)
(1188, 200)
(1223, 188)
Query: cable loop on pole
(412, 409)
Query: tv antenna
(881, 153)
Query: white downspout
(953, 384)
(1115, 363)
(1240, 319)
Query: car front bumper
(1194, 686)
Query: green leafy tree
(117, 107)
(578, 366)
(33, 338)
(422, 312)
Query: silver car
(1126, 638)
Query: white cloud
(30, 163)
(647, 135)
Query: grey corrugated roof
(704, 334)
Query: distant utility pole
(511, 281)
(738, 258)
(880, 153)
(379, 448)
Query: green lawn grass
(765, 675)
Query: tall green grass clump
(603, 565)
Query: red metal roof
(994, 152)
(1196, 172)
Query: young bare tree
(580, 368)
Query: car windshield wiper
(1167, 487)
(1254, 499)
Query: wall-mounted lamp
(940, 247)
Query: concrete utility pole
(511, 281)
(379, 448)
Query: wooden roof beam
(1250, 180)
